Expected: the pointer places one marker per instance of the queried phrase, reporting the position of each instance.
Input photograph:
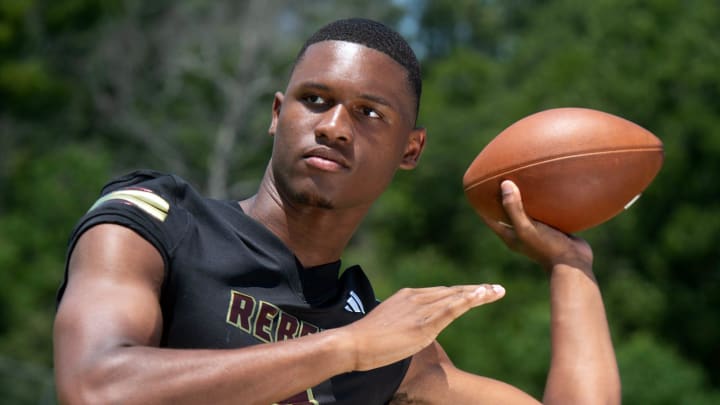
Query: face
(343, 127)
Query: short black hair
(375, 35)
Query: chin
(312, 200)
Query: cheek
(292, 119)
(287, 134)
(380, 167)
(384, 156)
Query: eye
(314, 99)
(370, 112)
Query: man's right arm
(109, 324)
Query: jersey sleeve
(144, 201)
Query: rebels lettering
(264, 320)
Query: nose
(335, 125)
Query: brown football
(576, 167)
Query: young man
(171, 297)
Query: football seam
(558, 158)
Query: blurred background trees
(90, 89)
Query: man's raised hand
(411, 319)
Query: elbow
(77, 394)
(94, 384)
(81, 391)
(77, 391)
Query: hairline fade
(374, 35)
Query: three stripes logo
(354, 304)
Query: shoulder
(146, 201)
(151, 191)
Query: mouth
(327, 159)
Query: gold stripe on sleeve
(147, 201)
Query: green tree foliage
(646, 380)
(49, 170)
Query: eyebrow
(314, 85)
(376, 99)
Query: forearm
(583, 366)
(260, 374)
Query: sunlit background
(90, 89)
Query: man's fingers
(412, 318)
(514, 210)
(512, 202)
(487, 293)
(432, 294)
(469, 296)
(502, 229)
(428, 295)
(457, 299)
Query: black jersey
(230, 282)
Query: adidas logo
(354, 304)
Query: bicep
(433, 379)
(111, 299)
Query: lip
(325, 158)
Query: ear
(277, 103)
(414, 148)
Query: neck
(315, 235)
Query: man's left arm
(583, 368)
